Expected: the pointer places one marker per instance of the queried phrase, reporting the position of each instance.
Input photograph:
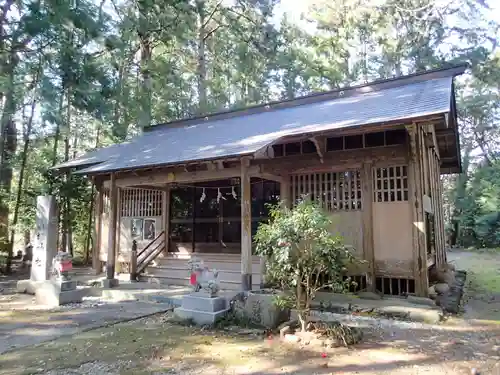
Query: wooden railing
(140, 260)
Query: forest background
(80, 74)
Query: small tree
(303, 257)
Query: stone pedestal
(56, 293)
(201, 308)
(45, 244)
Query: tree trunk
(26, 137)
(145, 65)
(201, 66)
(91, 211)
(8, 144)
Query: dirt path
(155, 345)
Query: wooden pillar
(119, 193)
(246, 226)
(367, 219)
(437, 210)
(113, 206)
(418, 223)
(166, 216)
(285, 190)
(440, 214)
(96, 261)
(133, 261)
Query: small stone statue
(61, 265)
(208, 281)
(202, 278)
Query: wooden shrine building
(371, 154)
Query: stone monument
(45, 244)
(49, 278)
(203, 305)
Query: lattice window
(336, 191)
(141, 203)
(390, 184)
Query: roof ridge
(381, 83)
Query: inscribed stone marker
(45, 246)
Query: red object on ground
(323, 355)
(192, 279)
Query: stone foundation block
(199, 317)
(55, 294)
(204, 304)
(109, 283)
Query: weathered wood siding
(392, 231)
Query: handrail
(150, 244)
(142, 259)
(148, 259)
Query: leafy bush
(303, 257)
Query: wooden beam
(320, 144)
(418, 223)
(333, 161)
(165, 177)
(246, 226)
(269, 176)
(367, 220)
(110, 262)
(96, 262)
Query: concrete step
(177, 273)
(184, 281)
(218, 264)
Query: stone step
(233, 265)
(175, 272)
(184, 281)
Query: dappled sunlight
(158, 345)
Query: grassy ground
(482, 297)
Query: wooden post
(418, 224)
(110, 264)
(119, 192)
(285, 190)
(96, 261)
(133, 261)
(367, 219)
(166, 217)
(246, 226)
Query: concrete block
(50, 294)
(66, 285)
(194, 302)
(109, 283)
(199, 317)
